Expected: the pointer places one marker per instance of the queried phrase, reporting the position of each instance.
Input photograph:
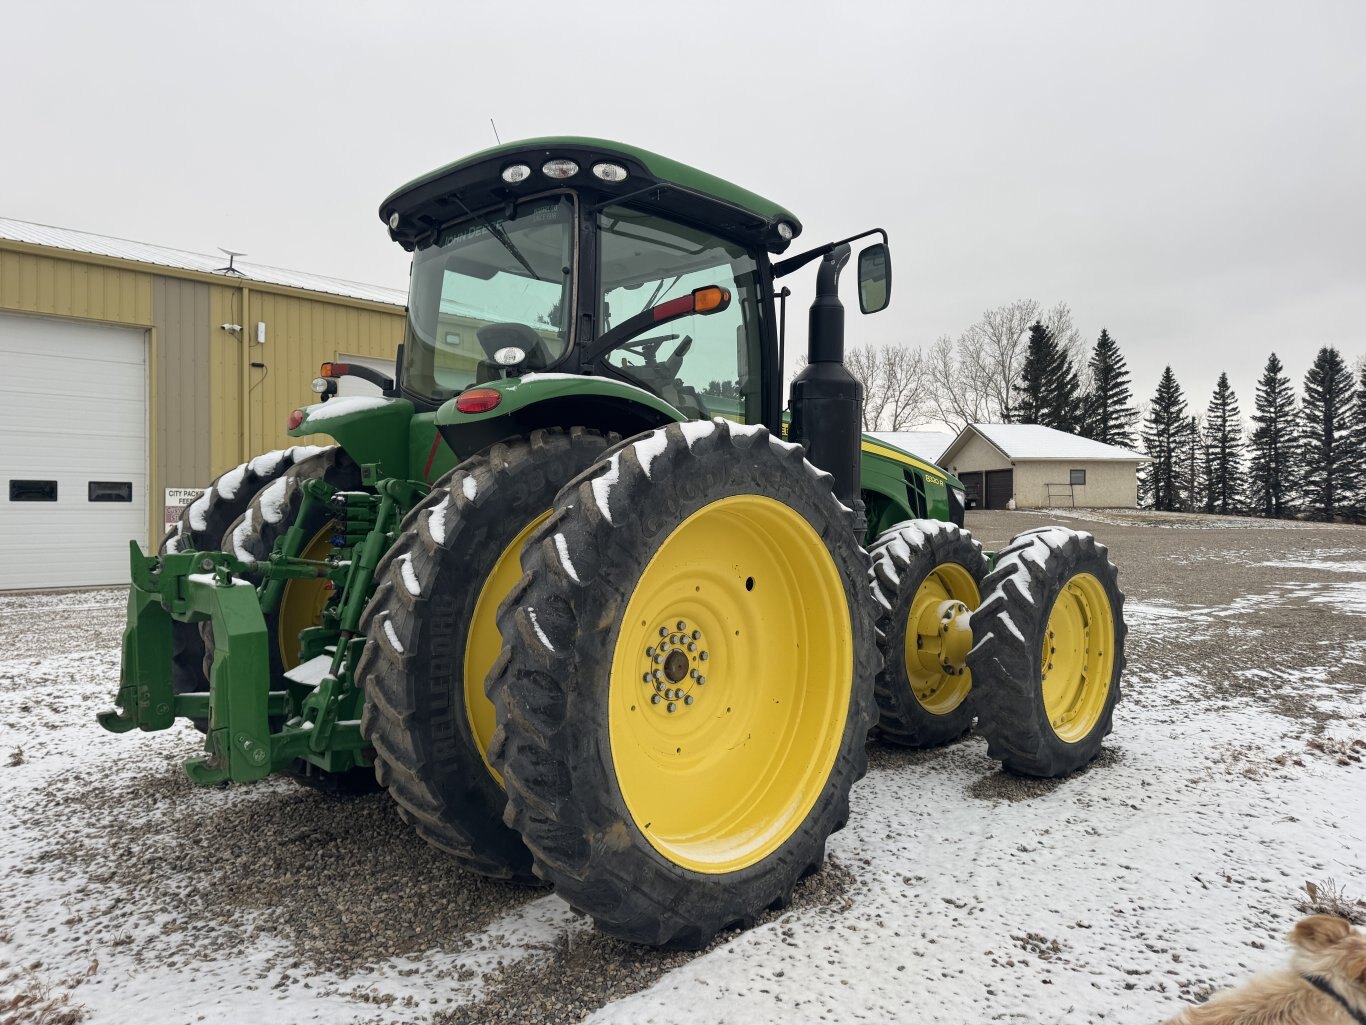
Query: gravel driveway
(1169, 868)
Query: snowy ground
(1236, 773)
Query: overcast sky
(1189, 175)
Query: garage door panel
(73, 409)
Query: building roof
(1033, 442)
(181, 259)
(928, 445)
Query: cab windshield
(490, 283)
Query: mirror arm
(784, 267)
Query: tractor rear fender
(898, 486)
(552, 400)
(371, 429)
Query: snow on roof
(181, 259)
(928, 445)
(1033, 441)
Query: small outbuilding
(1039, 467)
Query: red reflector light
(335, 369)
(295, 419)
(478, 400)
(672, 308)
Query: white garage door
(73, 451)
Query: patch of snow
(211, 580)
(649, 448)
(436, 520)
(470, 487)
(1010, 625)
(230, 482)
(535, 625)
(410, 581)
(1034, 441)
(311, 673)
(267, 462)
(173, 543)
(1318, 564)
(562, 546)
(199, 512)
(343, 405)
(392, 634)
(742, 430)
(695, 430)
(272, 501)
(240, 533)
(603, 485)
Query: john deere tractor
(596, 602)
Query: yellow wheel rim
(484, 642)
(302, 601)
(938, 638)
(1077, 663)
(730, 684)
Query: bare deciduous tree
(973, 375)
(896, 389)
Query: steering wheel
(647, 348)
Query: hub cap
(938, 637)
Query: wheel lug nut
(703, 656)
(645, 677)
(657, 675)
(688, 700)
(697, 635)
(671, 707)
(673, 638)
(701, 680)
(692, 673)
(664, 631)
(692, 645)
(682, 625)
(650, 652)
(654, 699)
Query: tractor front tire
(923, 690)
(686, 682)
(432, 636)
(1048, 652)
(200, 529)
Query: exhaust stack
(826, 400)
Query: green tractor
(595, 602)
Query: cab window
(703, 364)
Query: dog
(1325, 984)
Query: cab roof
(437, 198)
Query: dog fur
(1326, 947)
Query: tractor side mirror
(874, 278)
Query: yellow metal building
(128, 371)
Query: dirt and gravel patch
(124, 889)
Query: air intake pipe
(826, 400)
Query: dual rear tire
(1039, 669)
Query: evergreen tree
(1047, 391)
(1107, 413)
(1275, 462)
(1359, 437)
(1332, 465)
(1192, 460)
(1224, 444)
(1166, 435)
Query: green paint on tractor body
(408, 439)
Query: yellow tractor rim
(730, 684)
(938, 638)
(1078, 657)
(484, 642)
(302, 601)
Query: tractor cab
(580, 256)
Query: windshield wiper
(501, 237)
